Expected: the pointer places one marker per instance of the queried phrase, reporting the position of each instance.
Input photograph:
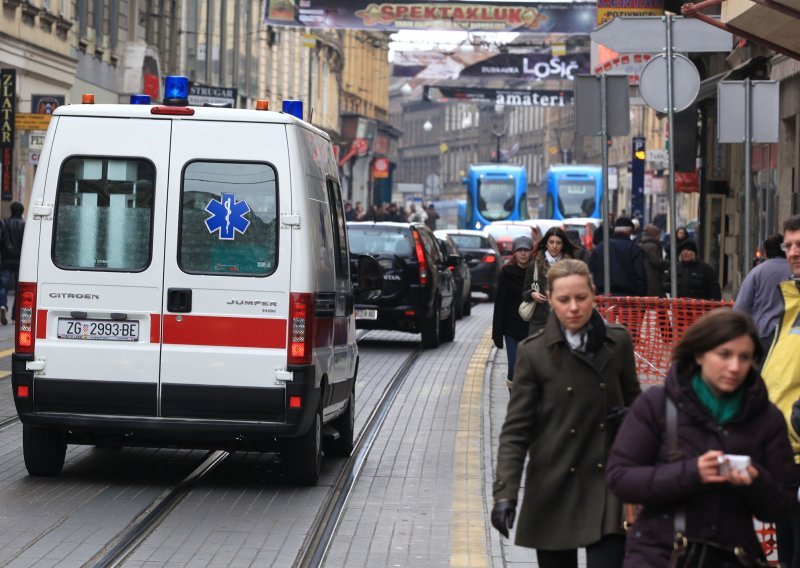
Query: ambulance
(186, 282)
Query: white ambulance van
(185, 282)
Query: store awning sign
(524, 17)
(8, 92)
(502, 97)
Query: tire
(431, 331)
(44, 451)
(449, 327)
(302, 456)
(458, 306)
(467, 310)
(346, 426)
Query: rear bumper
(400, 318)
(190, 416)
(483, 277)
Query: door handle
(179, 300)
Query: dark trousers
(607, 553)
(788, 534)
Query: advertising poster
(607, 10)
(45, 104)
(523, 17)
(8, 89)
(502, 97)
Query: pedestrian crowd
(673, 476)
(392, 212)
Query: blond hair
(569, 267)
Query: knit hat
(522, 243)
(688, 244)
(624, 222)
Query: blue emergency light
(140, 99)
(293, 107)
(176, 90)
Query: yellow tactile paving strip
(468, 521)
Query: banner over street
(499, 97)
(523, 17)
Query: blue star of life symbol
(227, 216)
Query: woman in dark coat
(722, 408)
(571, 380)
(507, 327)
(551, 248)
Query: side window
(104, 214)
(229, 221)
(339, 231)
(432, 245)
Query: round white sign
(653, 83)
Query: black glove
(498, 342)
(503, 514)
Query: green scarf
(722, 409)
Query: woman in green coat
(572, 382)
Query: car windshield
(496, 198)
(470, 241)
(576, 198)
(374, 240)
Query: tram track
(317, 543)
(8, 422)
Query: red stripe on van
(155, 328)
(41, 324)
(225, 331)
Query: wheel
(431, 331)
(449, 327)
(43, 450)
(458, 306)
(346, 426)
(302, 456)
(467, 309)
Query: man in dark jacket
(628, 276)
(696, 279)
(10, 250)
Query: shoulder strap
(673, 454)
(535, 271)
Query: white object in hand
(733, 461)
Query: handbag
(526, 309)
(695, 552)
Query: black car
(461, 274)
(418, 287)
(483, 258)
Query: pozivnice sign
(523, 17)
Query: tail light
(26, 317)
(589, 238)
(301, 322)
(489, 258)
(423, 265)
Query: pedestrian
(433, 215)
(781, 374)
(360, 211)
(415, 216)
(760, 293)
(660, 220)
(681, 234)
(685, 482)
(392, 214)
(572, 381)
(578, 250)
(349, 212)
(508, 328)
(654, 262)
(695, 278)
(551, 248)
(628, 276)
(10, 252)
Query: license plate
(98, 330)
(366, 314)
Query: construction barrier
(656, 325)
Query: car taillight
(423, 265)
(488, 258)
(26, 317)
(301, 328)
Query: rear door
(100, 266)
(226, 272)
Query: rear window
(379, 240)
(470, 241)
(104, 214)
(229, 223)
(512, 231)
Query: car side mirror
(370, 273)
(453, 260)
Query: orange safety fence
(656, 325)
